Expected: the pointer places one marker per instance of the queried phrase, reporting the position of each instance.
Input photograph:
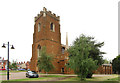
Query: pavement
(101, 75)
(17, 75)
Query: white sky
(98, 18)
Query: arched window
(63, 50)
(39, 27)
(52, 27)
(38, 50)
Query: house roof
(107, 64)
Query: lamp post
(8, 58)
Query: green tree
(95, 52)
(13, 65)
(79, 59)
(45, 61)
(116, 64)
(107, 61)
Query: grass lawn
(53, 76)
(102, 78)
(29, 79)
(3, 71)
(92, 80)
(114, 79)
(72, 79)
(43, 78)
(3, 74)
(98, 79)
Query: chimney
(66, 40)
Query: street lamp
(8, 57)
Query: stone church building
(47, 33)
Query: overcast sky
(97, 18)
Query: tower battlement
(45, 12)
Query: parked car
(2, 69)
(32, 74)
(28, 69)
(21, 69)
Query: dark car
(21, 69)
(32, 74)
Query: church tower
(46, 33)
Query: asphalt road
(17, 75)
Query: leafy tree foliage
(80, 59)
(13, 65)
(107, 61)
(95, 52)
(45, 61)
(116, 64)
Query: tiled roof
(107, 64)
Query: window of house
(63, 50)
(52, 27)
(39, 27)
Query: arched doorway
(38, 55)
(62, 70)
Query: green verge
(53, 76)
(43, 78)
(3, 71)
(113, 79)
(28, 79)
(72, 79)
(3, 74)
(104, 78)
(93, 80)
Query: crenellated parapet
(45, 12)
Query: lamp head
(12, 47)
(3, 46)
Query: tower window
(52, 27)
(63, 50)
(38, 50)
(39, 27)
